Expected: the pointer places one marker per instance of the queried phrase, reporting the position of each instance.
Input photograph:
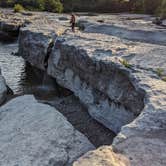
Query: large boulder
(38, 135)
(78, 65)
(104, 156)
(143, 141)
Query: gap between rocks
(69, 105)
(78, 115)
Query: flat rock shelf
(116, 71)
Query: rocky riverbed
(118, 73)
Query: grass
(18, 8)
(159, 72)
(125, 63)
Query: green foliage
(150, 6)
(6, 3)
(18, 8)
(42, 5)
(159, 72)
(163, 9)
(95, 5)
(53, 6)
(125, 63)
(136, 6)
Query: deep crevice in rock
(49, 50)
(116, 103)
(69, 105)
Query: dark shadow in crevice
(66, 103)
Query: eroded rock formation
(80, 64)
(121, 82)
(10, 23)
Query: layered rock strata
(77, 64)
(10, 23)
(117, 83)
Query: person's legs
(73, 27)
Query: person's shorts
(73, 24)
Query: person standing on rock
(73, 22)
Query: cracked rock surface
(37, 134)
(135, 27)
(117, 71)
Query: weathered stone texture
(118, 80)
(37, 134)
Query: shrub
(163, 10)
(125, 63)
(159, 72)
(139, 6)
(18, 8)
(53, 6)
(150, 6)
(47, 5)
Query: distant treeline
(41, 5)
(138, 6)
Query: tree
(163, 9)
(53, 6)
(150, 6)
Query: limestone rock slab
(37, 134)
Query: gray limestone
(118, 72)
(35, 134)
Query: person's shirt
(73, 19)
